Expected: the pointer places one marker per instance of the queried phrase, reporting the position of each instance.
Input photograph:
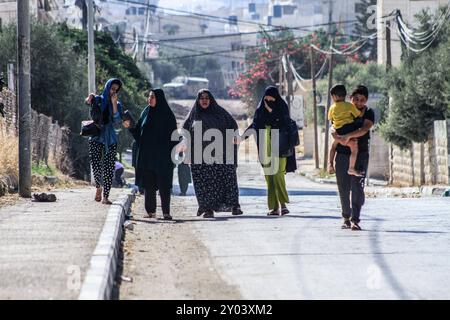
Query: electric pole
(388, 46)
(327, 124)
(313, 77)
(24, 99)
(290, 84)
(280, 72)
(388, 68)
(91, 55)
(91, 52)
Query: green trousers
(276, 183)
(276, 187)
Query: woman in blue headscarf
(103, 147)
(273, 114)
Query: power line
(277, 28)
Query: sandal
(237, 211)
(209, 214)
(274, 212)
(284, 211)
(98, 195)
(150, 215)
(106, 201)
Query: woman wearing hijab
(215, 184)
(154, 166)
(273, 113)
(103, 147)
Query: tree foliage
(419, 91)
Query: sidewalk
(46, 248)
(376, 188)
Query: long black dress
(215, 184)
(154, 165)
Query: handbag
(90, 129)
(289, 139)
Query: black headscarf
(153, 135)
(279, 116)
(213, 117)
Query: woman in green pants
(273, 114)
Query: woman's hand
(237, 140)
(88, 100)
(267, 106)
(114, 99)
(127, 124)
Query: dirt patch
(166, 260)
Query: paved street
(402, 252)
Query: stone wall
(50, 142)
(424, 163)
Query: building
(408, 8)
(38, 8)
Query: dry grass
(9, 155)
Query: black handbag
(90, 129)
(289, 139)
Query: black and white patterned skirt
(216, 187)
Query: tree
(419, 91)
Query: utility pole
(290, 84)
(330, 15)
(327, 124)
(91, 53)
(388, 46)
(280, 72)
(313, 77)
(24, 99)
(388, 68)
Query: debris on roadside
(44, 197)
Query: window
(141, 11)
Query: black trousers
(156, 182)
(351, 188)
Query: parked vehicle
(185, 87)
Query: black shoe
(346, 224)
(237, 211)
(167, 217)
(355, 226)
(200, 212)
(209, 214)
(182, 194)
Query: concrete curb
(99, 281)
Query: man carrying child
(352, 186)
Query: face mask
(271, 104)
